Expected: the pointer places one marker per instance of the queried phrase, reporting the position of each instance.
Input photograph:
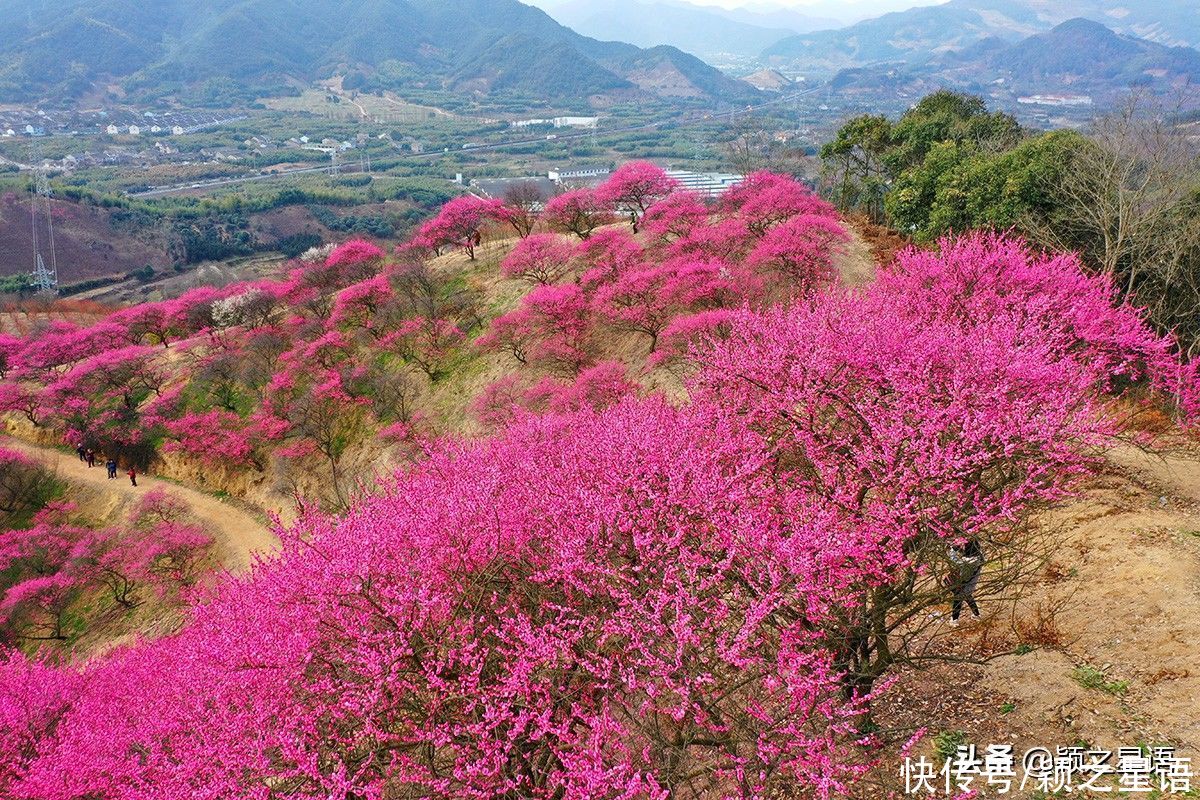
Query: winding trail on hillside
(237, 534)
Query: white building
(1060, 100)
(134, 130)
(711, 184)
(576, 122)
(559, 122)
(595, 174)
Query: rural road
(238, 536)
(679, 120)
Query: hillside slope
(239, 536)
(1118, 595)
(261, 44)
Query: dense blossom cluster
(52, 563)
(613, 596)
(306, 366)
(768, 241)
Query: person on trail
(111, 466)
(966, 562)
(91, 458)
(82, 453)
(133, 480)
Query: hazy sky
(841, 9)
(864, 5)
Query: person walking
(966, 563)
(82, 451)
(91, 458)
(133, 478)
(111, 466)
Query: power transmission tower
(44, 278)
(699, 143)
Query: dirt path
(1114, 612)
(1125, 579)
(855, 263)
(239, 536)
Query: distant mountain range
(919, 33)
(55, 48)
(228, 51)
(1077, 57)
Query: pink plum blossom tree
(459, 223)
(802, 251)
(635, 187)
(579, 211)
(541, 258)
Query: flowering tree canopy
(579, 212)
(636, 186)
(459, 223)
(540, 258)
(614, 594)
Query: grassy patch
(1091, 678)
(946, 743)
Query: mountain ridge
(261, 44)
(1078, 57)
(914, 34)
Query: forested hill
(174, 45)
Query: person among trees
(91, 458)
(82, 452)
(133, 481)
(966, 562)
(111, 466)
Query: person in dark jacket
(111, 466)
(966, 563)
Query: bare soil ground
(882, 242)
(1120, 595)
(857, 261)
